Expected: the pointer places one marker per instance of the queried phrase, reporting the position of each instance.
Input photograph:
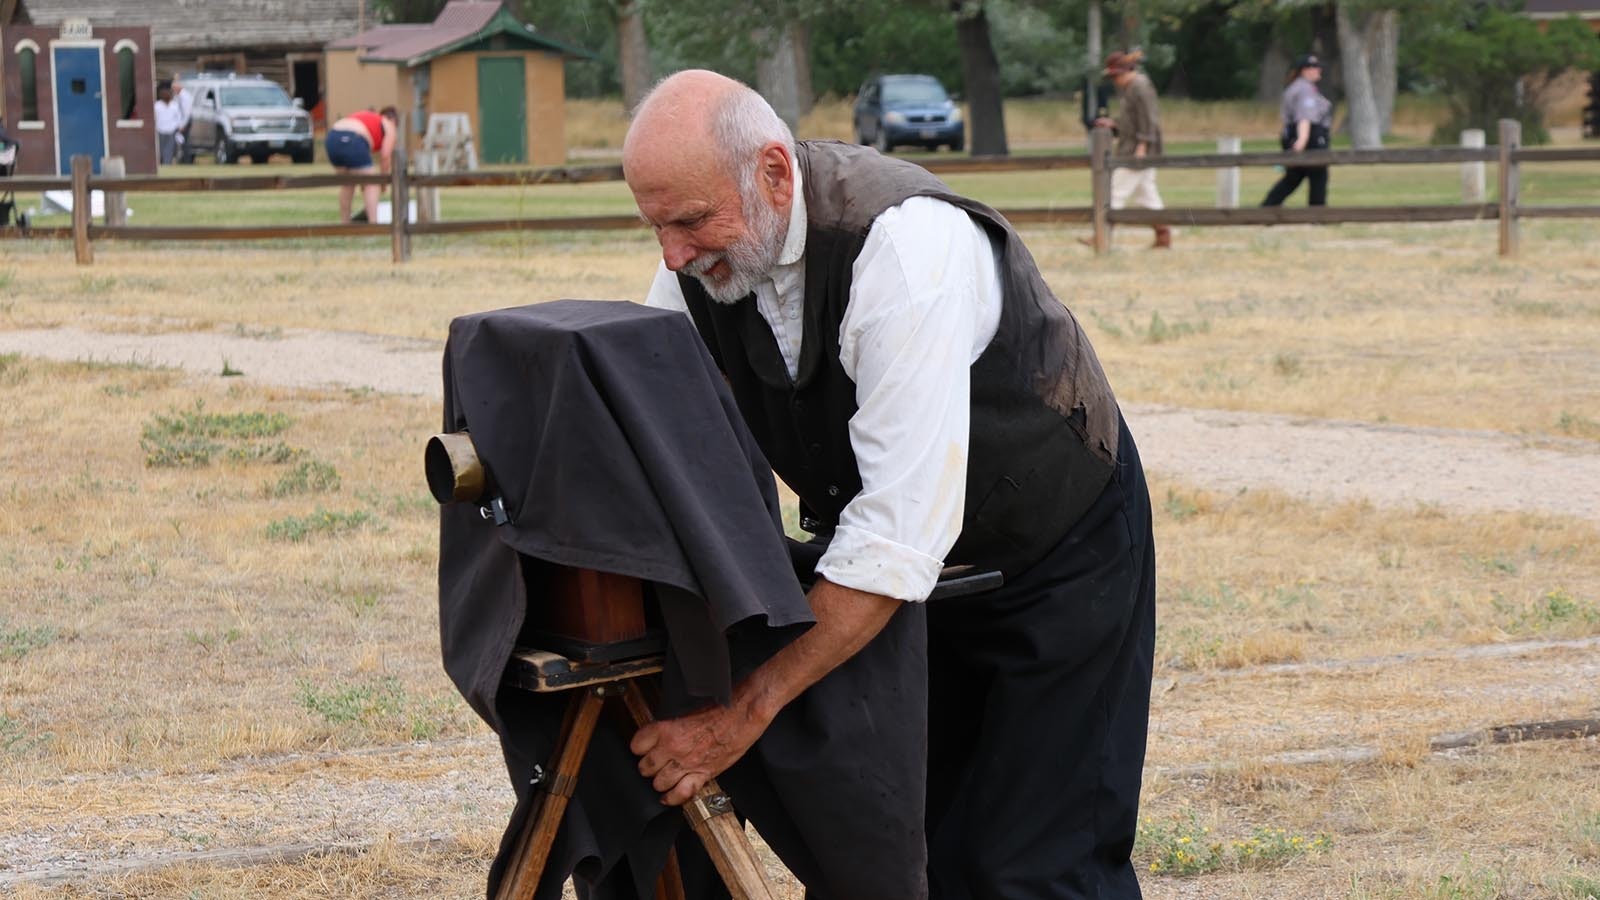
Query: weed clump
(190, 438)
(310, 477)
(295, 529)
(1182, 846)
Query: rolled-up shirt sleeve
(916, 321)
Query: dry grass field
(219, 667)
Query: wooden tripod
(597, 598)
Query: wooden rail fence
(1507, 155)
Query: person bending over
(362, 144)
(907, 371)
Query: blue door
(80, 105)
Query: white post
(1228, 179)
(428, 198)
(1473, 185)
(116, 210)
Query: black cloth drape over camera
(616, 446)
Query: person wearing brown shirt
(1138, 131)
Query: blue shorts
(348, 150)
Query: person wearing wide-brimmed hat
(1307, 121)
(1138, 131)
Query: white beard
(750, 258)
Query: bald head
(674, 121)
(700, 125)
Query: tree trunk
(981, 71)
(1383, 59)
(1274, 71)
(1366, 131)
(633, 53)
(775, 72)
(805, 94)
(1132, 25)
(1095, 65)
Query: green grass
(15, 643)
(309, 477)
(190, 438)
(1183, 846)
(376, 699)
(16, 739)
(295, 529)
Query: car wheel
(224, 151)
(958, 146)
(881, 142)
(302, 157)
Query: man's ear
(774, 174)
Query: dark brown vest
(1044, 422)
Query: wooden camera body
(586, 615)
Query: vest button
(816, 449)
(833, 490)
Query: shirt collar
(794, 243)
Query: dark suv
(894, 110)
(245, 115)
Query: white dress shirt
(924, 303)
(169, 118)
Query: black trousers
(1039, 702)
(1317, 175)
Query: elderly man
(1138, 130)
(908, 373)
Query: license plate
(275, 144)
(928, 133)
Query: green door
(502, 110)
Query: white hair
(741, 125)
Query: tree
(980, 70)
(633, 51)
(777, 72)
(1492, 63)
(1368, 40)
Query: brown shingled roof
(460, 22)
(460, 19)
(200, 25)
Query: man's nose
(676, 251)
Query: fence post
(1472, 173)
(399, 207)
(1510, 184)
(81, 167)
(428, 197)
(1100, 187)
(1228, 179)
(116, 201)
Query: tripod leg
(539, 833)
(710, 814)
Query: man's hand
(680, 755)
(1105, 122)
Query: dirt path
(1308, 458)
